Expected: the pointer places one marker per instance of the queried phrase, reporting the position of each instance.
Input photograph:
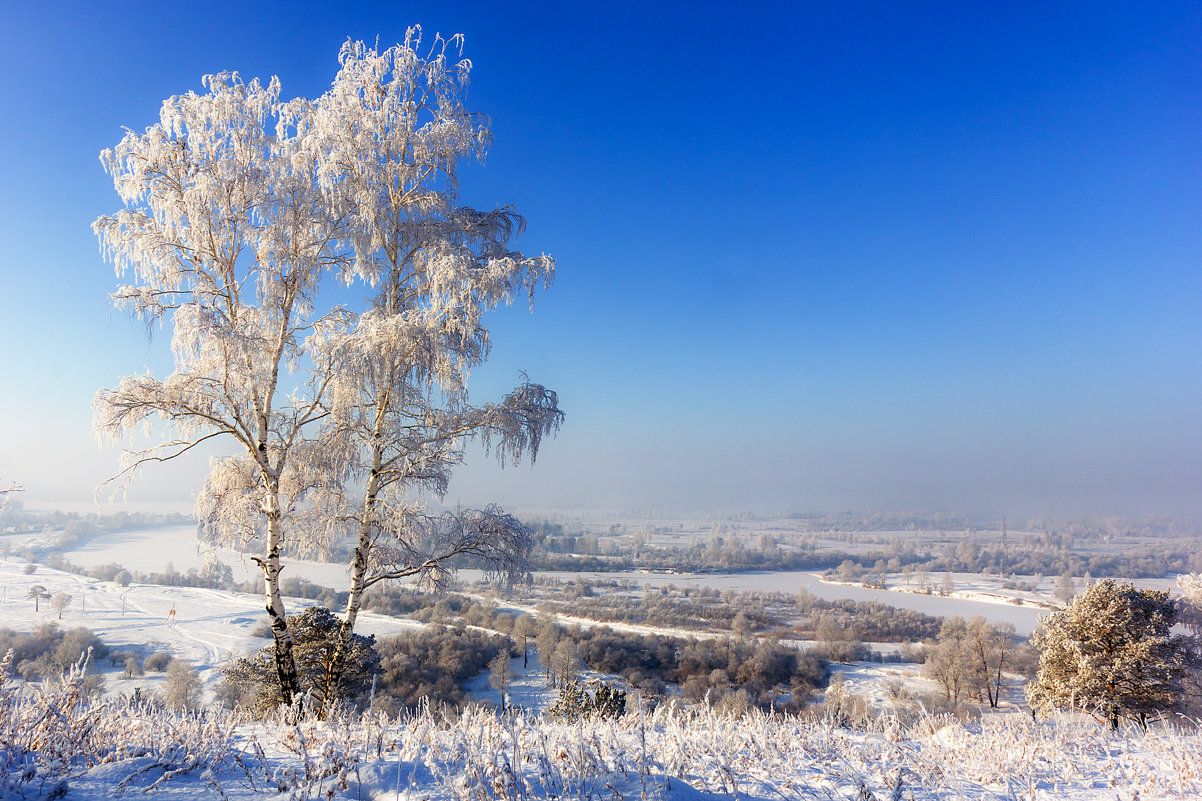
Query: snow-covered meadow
(57, 740)
(208, 627)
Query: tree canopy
(1112, 653)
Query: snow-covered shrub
(430, 665)
(48, 651)
(571, 704)
(182, 691)
(609, 702)
(158, 662)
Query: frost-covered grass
(57, 742)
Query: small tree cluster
(430, 666)
(969, 659)
(49, 652)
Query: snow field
(150, 549)
(209, 626)
(104, 748)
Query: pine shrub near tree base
(1111, 653)
(574, 703)
(251, 680)
(609, 702)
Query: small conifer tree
(1111, 653)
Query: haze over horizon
(864, 257)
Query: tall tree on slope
(227, 239)
(391, 131)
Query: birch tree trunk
(285, 663)
(337, 663)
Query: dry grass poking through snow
(57, 742)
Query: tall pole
(1003, 545)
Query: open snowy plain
(208, 628)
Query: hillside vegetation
(56, 741)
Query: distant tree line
(73, 528)
(1050, 551)
(1027, 558)
(214, 574)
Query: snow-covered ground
(85, 751)
(480, 756)
(209, 626)
(871, 680)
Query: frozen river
(1025, 620)
(148, 550)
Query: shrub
(430, 665)
(252, 681)
(182, 689)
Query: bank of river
(1025, 620)
(149, 550)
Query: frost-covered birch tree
(225, 238)
(390, 133)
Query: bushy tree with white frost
(1112, 653)
(60, 601)
(391, 132)
(227, 239)
(239, 208)
(1191, 601)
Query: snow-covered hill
(55, 743)
(54, 740)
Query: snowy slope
(92, 752)
(208, 628)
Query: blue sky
(811, 256)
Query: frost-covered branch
(7, 493)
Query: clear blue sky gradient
(812, 256)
